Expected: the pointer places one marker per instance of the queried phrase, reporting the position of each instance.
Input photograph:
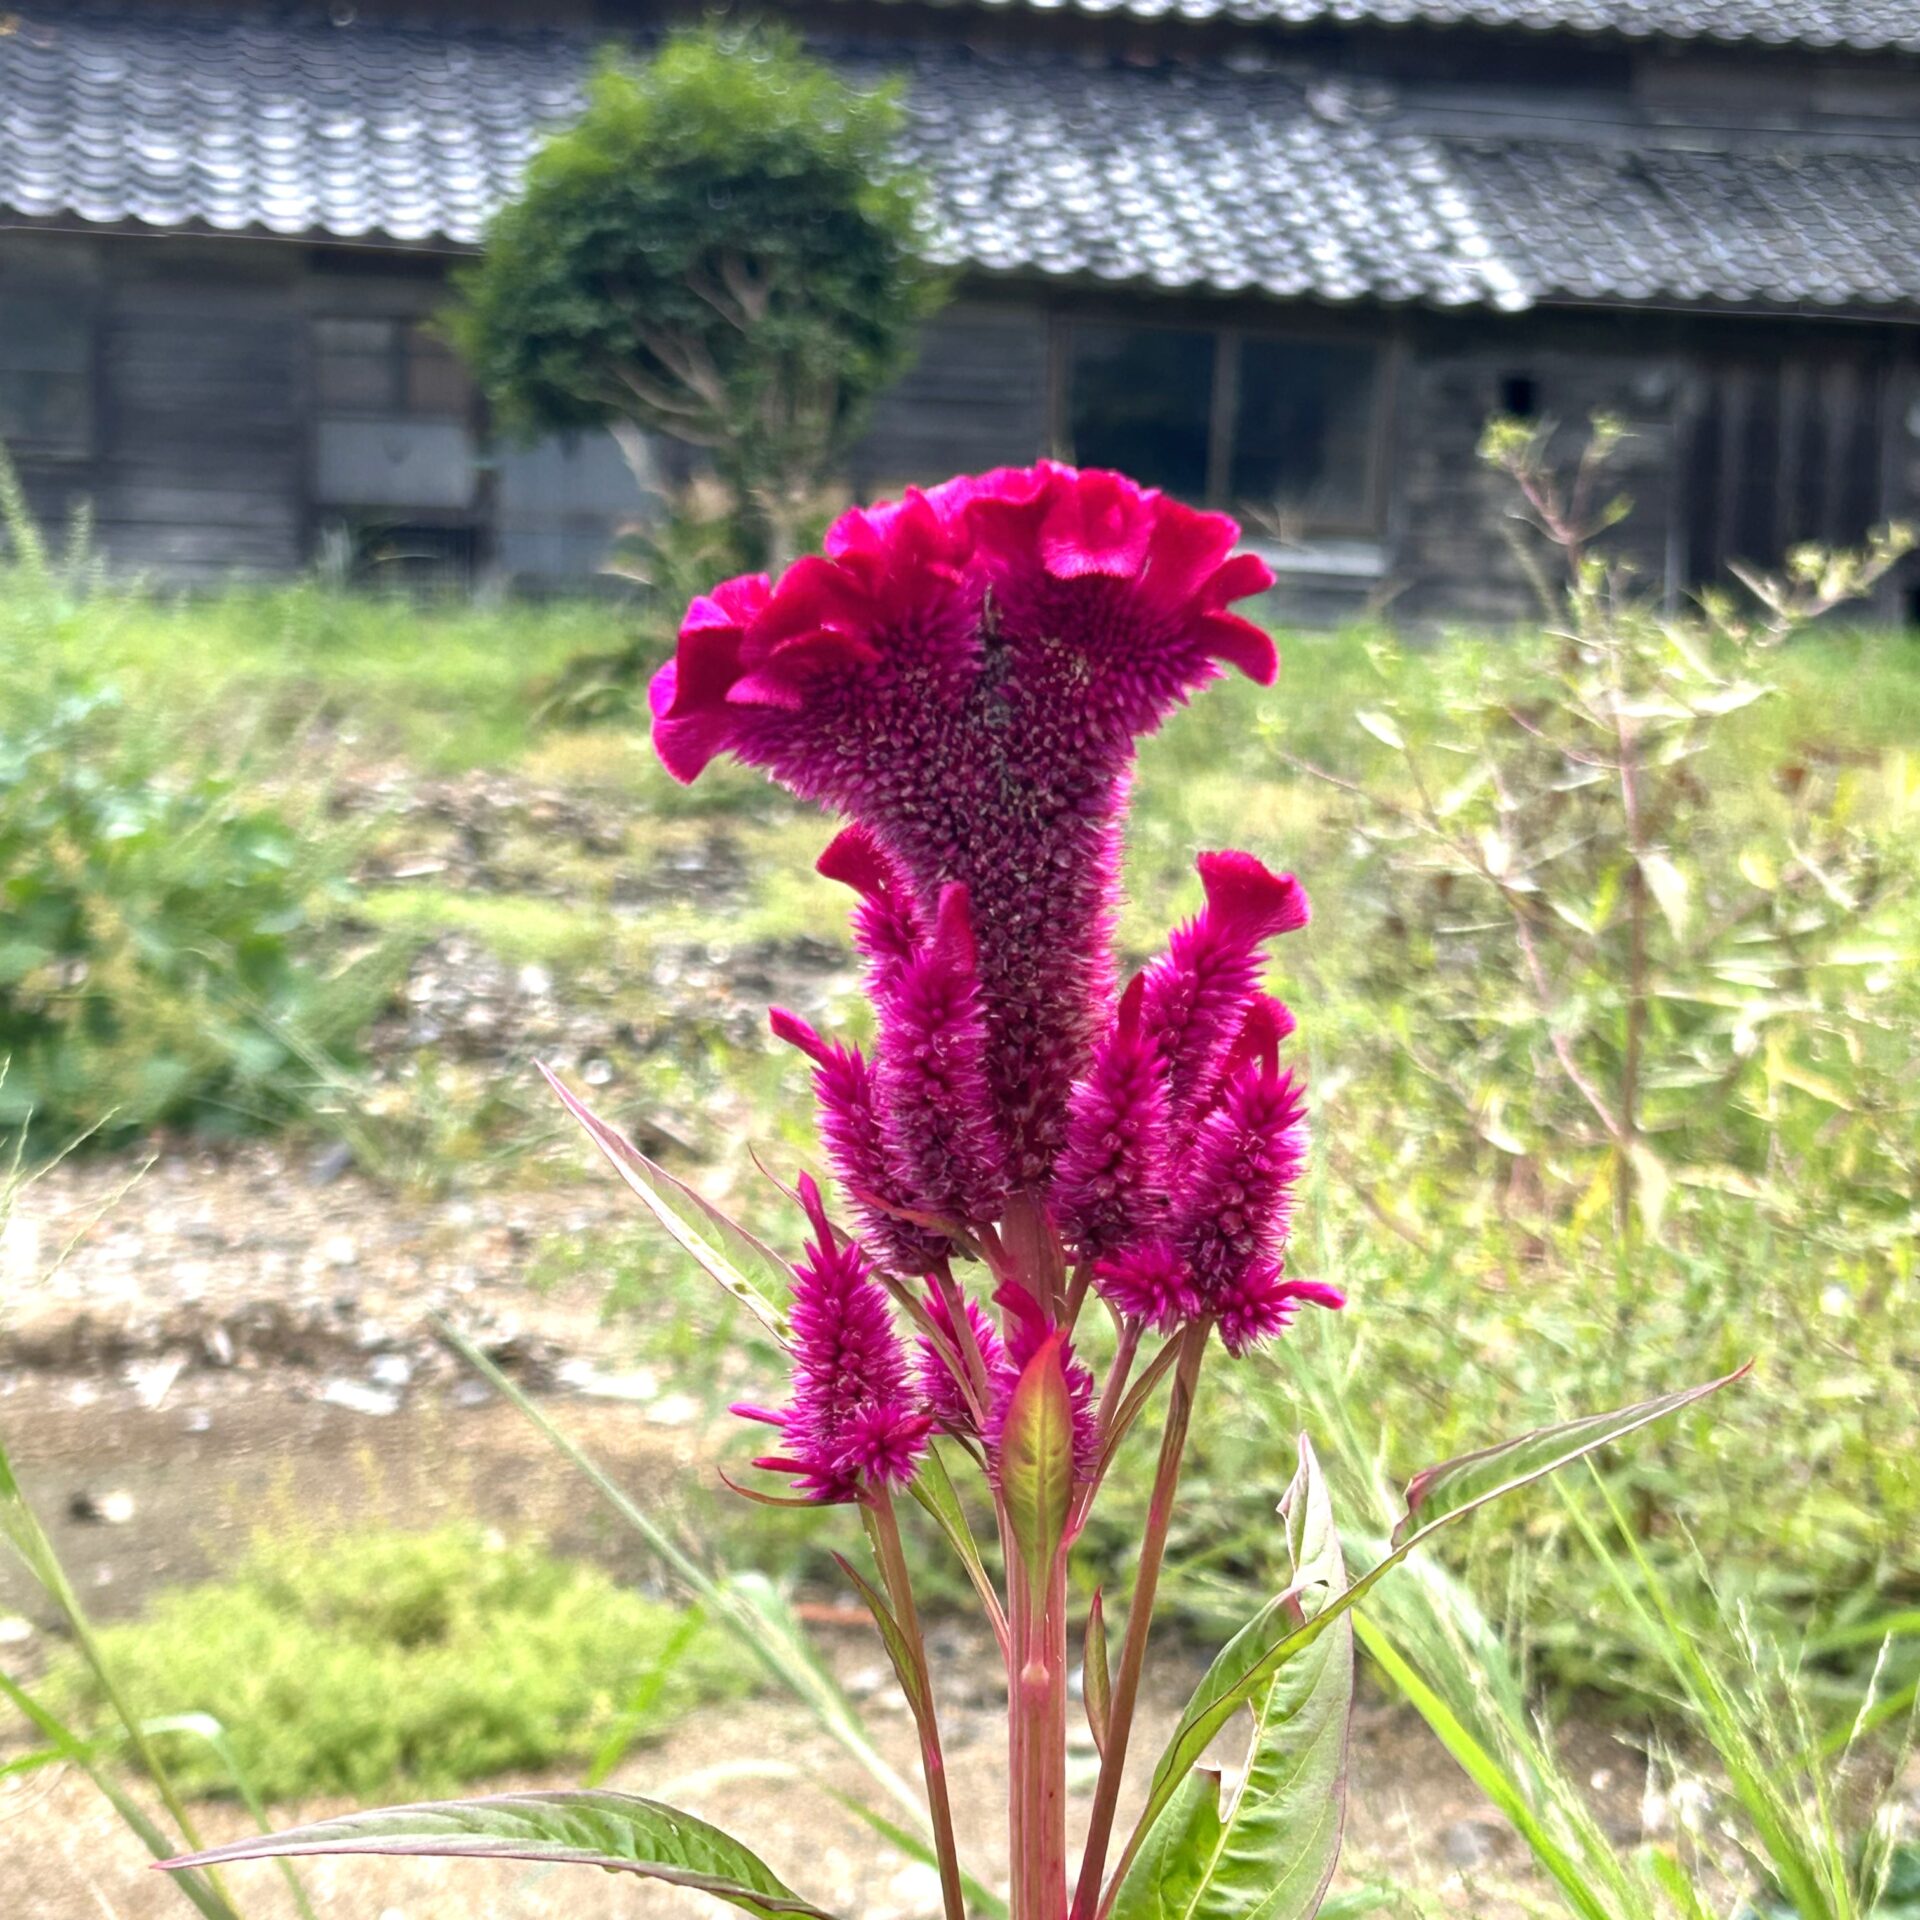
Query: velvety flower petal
(1149, 1284)
(1262, 1303)
(888, 925)
(1234, 1208)
(855, 1414)
(945, 1398)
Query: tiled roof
(1861, 25)
(1198, 175)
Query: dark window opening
(46, 383)
(1519, 396)
(1140, 399)
(387, 367)
(1281, 428)
(1303, 430)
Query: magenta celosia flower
(942, 1134)
(855, 1418)
(940, 1386)
(856, 1143)
(1110, 1189)
(965, 673)
(1197, 995)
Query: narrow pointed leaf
(1439, 1494)
(1161, 1883)
(1273, 1854)
(892, 1634)
(982, 1897)
(617, 1831)
(1437, 1497)
(1036, 1459)
(744, 1267)
(932, 1486)
(1097, 1675)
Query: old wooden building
(1284, 255)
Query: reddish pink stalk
(899, 1585)
(1087, 1903)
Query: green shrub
(417, 1660)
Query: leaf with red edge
(1036, 1459)
(617, 1831)
(1282, 1630)
(747, 1269)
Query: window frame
(1229, 337)
(85, 314)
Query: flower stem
(899, 1584)
(1037, 1745)
(1126, 1685)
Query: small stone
(917, 1887)
(470, 1393)
(535, 982)
(597, 1072)
(111, 1509)
(390, 1370)
(15, 1630)
(1466, 1844)
(676, 1410)
(355, 1398)
(338, 1250)
(199, 1420)
(328, 1165)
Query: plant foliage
(725, 248)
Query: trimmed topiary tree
(726, 248)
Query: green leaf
(1161, 1883)
(1383, 727)
(891, 1633)
(617, 1831)
(1273, 1855)
(1097, 1675)
(1668, 885)
(1036, 1460)
(1436, 1498)
(1455, 1487)
(933, 1488)
(745, 1268)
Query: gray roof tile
(1197, 175)
(1863, 25)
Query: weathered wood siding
(976, 397)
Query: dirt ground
(228, 1447)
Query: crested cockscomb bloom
(964, 673)
(855, 1419)
(1236, 1198)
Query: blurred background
(377, 385)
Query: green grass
(1801, 1488)
(385, 1663)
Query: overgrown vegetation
(360, 1664)
(166, 947)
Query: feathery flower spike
(855, 1418)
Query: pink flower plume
(855, 1417)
